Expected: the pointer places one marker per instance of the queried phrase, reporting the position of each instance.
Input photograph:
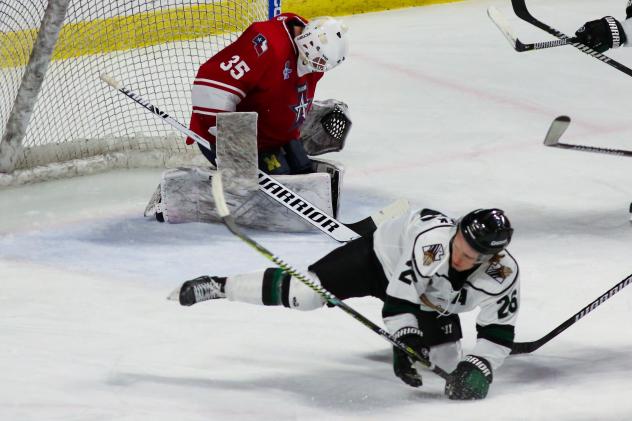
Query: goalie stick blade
(556, 130)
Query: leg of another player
(349, 271)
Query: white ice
(445, 114)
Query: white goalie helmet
(323, 44)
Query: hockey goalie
(254, 103)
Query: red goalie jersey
(258, 72)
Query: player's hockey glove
(602, 34)
(470, 379)
(403, 366)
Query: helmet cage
(323, 44)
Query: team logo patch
(498, 272)
(260, 43)
(302, 107)
(432, 253)
(287, 70)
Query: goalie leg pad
(261, 212)
(186, 196)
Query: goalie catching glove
(403, 365)
(470, 379)
(326, 127)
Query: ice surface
(445, 114)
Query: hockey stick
(558, 127)
(520, 8)
(502, 24)
(273, 188)
(528, 347)
(222, 209)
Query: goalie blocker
(184, 194)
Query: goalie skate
(154, 203)
(199, 289)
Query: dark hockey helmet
(488, 231)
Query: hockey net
(78, 124)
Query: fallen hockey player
(426, 268)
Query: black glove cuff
(482, 364)
(405, 331)
(616, 31)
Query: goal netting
(78, 124)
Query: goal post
(57, 118)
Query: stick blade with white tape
(502, 24)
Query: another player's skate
(199, 289)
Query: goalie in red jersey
(273, 69)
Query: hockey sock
(276, 287)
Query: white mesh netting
(81, 125)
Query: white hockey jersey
(415, 253)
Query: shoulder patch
(260, 44)
(432, 253)
(429, 249)
(497, 277)
(498, 272)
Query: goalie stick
(528, 347)
(502, 24)
(276, 190)
(227, 219)
(520, 8)
(557, 129)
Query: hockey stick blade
(520, 9)
(501, 23)
(222, 209)
(528, 347)
(368, 225)
(556, 130)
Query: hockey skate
(199, 289)
(154, 208)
